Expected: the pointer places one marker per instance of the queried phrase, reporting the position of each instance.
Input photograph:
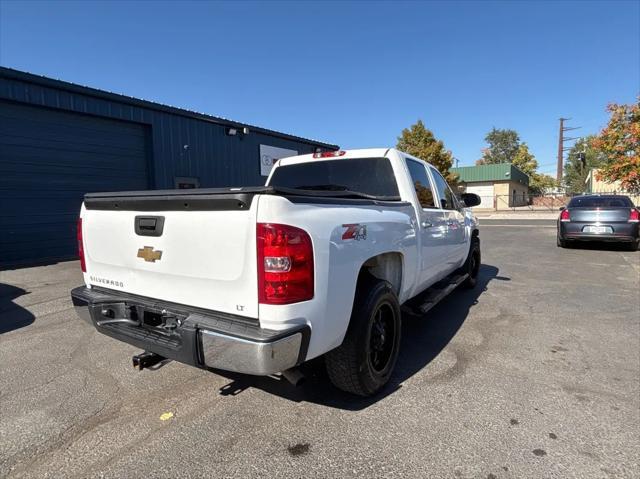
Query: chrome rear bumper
(205, 339)
(245, 356)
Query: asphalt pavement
(536, 373)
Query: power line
(549, 163)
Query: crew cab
(258, 280)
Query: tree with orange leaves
(619, 142)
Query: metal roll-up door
(48, 160)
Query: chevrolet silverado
(258, 280)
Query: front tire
(472, 264)
(365, 360)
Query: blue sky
(354, 74)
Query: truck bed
(218, 199)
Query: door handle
(426, 224)
(149, 225)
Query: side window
(421, 183)
(447, 200)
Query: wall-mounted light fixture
(233, 131)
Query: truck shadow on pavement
(13, 316)
(423, 338)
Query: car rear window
(372, 176)
(600, 202)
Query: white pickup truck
(258, 280)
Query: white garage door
(485, 192)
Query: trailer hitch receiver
(146, 360)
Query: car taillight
(329, 154)
(83, 264)
(565, 216)
(285, 264)
(634, 216)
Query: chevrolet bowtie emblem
(149, 255)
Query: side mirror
(563, 208)
(470, 199)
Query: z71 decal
(355, 232)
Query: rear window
(372, 176)
(600, 202)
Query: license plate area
(152, 318)
(597, 229)
(128, 314)
(158, 320)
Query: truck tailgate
(190, 249)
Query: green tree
(525, 161)
(539, 183)
(575, 170)
(503, 147)
(420, 142)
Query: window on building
(421, 183)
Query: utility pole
(561, 148)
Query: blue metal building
(59, 140)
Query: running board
(422, 303)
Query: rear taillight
(634, 216)
(285, 264)
(565, 216)
(83, 264)
(329, 154)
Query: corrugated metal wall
(214, 157)
(59, 140)
(48, 160)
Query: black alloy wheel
(382, 339)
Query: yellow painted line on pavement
(166, 416)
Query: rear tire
(472, 264)
(560, 242)
(365, 360)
